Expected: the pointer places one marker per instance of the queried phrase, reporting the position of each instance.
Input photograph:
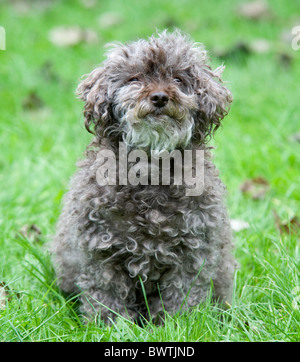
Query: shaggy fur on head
(155, 94)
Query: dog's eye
(177, 80)
(133, 79)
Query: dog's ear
(213, 102)
(93, 91)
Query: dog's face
(158, 94)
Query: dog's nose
(159, 99)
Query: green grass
(40, 143)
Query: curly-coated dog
(144, 249)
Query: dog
(144, 250)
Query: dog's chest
(147, 208)
(148, 217)
(145, 230)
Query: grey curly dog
(143, 249)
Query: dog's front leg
(108, 292)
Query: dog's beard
(148, 128)
(156, 133)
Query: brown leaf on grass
(238, 51)
(89, 36)
(254, 10)
(260, 46)
(109, 19)
(241, 49)
(88, 3)
(24, 7)
(285, 60)
(47, 71)
(65, 36)
(4, 295)
(31, 232)
(256, 187)
(32, 102)
(291, 226)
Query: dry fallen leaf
(109, 19)
(3, 295)
(256, 187)
(25, 7)
(6, 294)
(32, 232)
(89, 36)
(291, 226)
(285, 59)
(238, 225)
(32, 101)
(238, 51)
(254, 10)
(47, 72)
(65, 36)
(88, 3)
(260, 46)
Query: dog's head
(157, 94)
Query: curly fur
(111, 238)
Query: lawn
(257, 151)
